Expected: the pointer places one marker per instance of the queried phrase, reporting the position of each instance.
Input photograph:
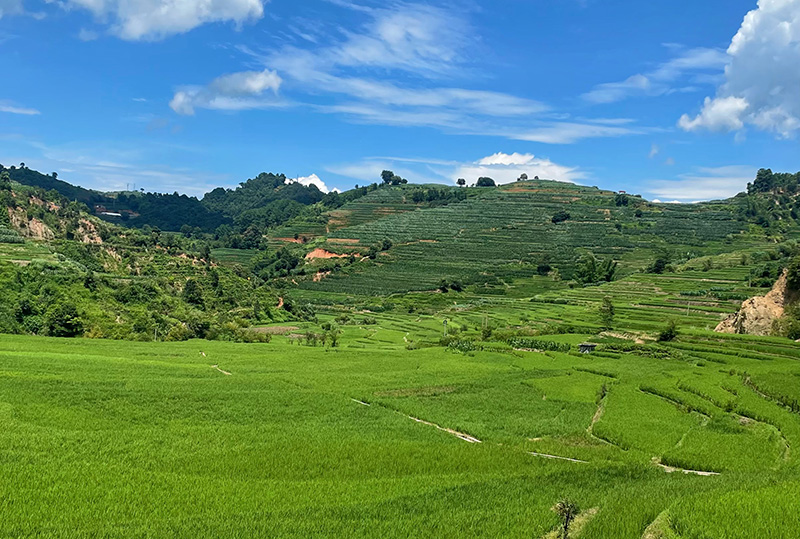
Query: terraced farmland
(507, 231)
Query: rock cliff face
(756, 315)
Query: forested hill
(257, 204)
(50, 182)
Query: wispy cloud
(389, 71)
(11, 108)
(705, 183)
(679, 74)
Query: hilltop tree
(390, 178)
(461, 182)
(522, 177)
(764, 182)
(484, 181)
(54, 175)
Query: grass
(102, 438)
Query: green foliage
(390, 178)
(560, 216)
(63, 320)
(669, 332)
(606, 312)
(485, 182)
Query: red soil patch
(322, 253)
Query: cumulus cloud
(235, 91)
(156, 19)
(311, 180)
(762, 81)
(502, 167)
(507, 168)
(705, 183)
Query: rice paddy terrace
(509, 230)
(389, 434)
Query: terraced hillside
(508, 231)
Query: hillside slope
(511, 232)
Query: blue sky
(674, 100)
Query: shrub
(63, 320)
(560, 216)
(669, 333)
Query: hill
(515, 231)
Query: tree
(586, 269)
(63, 320)
(764, 182)
(522, 177)
(566, 510)
(669, 333)
(793, 274)
(54, 175)
(206, 254)
(390, 178)
(192, 293)
(461, 182)
(621, 199)
(5, 181)
(607, 313)
(607, 270)
(560, 216)
(484, 181)
(386, 244)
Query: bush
(560, 216)
(669, 333)
(63, 320)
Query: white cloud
(663, 79)
(507, 168)
(720, 114)
(387, 72)
(570, 132)
(311, 180)
(11, 108)
(762, 81)
(502, 167)
(707, 183)
(654, 151)
(156, 19)
(11, 7)
(235, 91)
(87, 35)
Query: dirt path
(361, 402)
(226, 373)
(461, 435)
(556, 457)
(672, 469)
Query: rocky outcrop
(757, 315)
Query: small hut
(587, 348)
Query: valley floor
(370, 439)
